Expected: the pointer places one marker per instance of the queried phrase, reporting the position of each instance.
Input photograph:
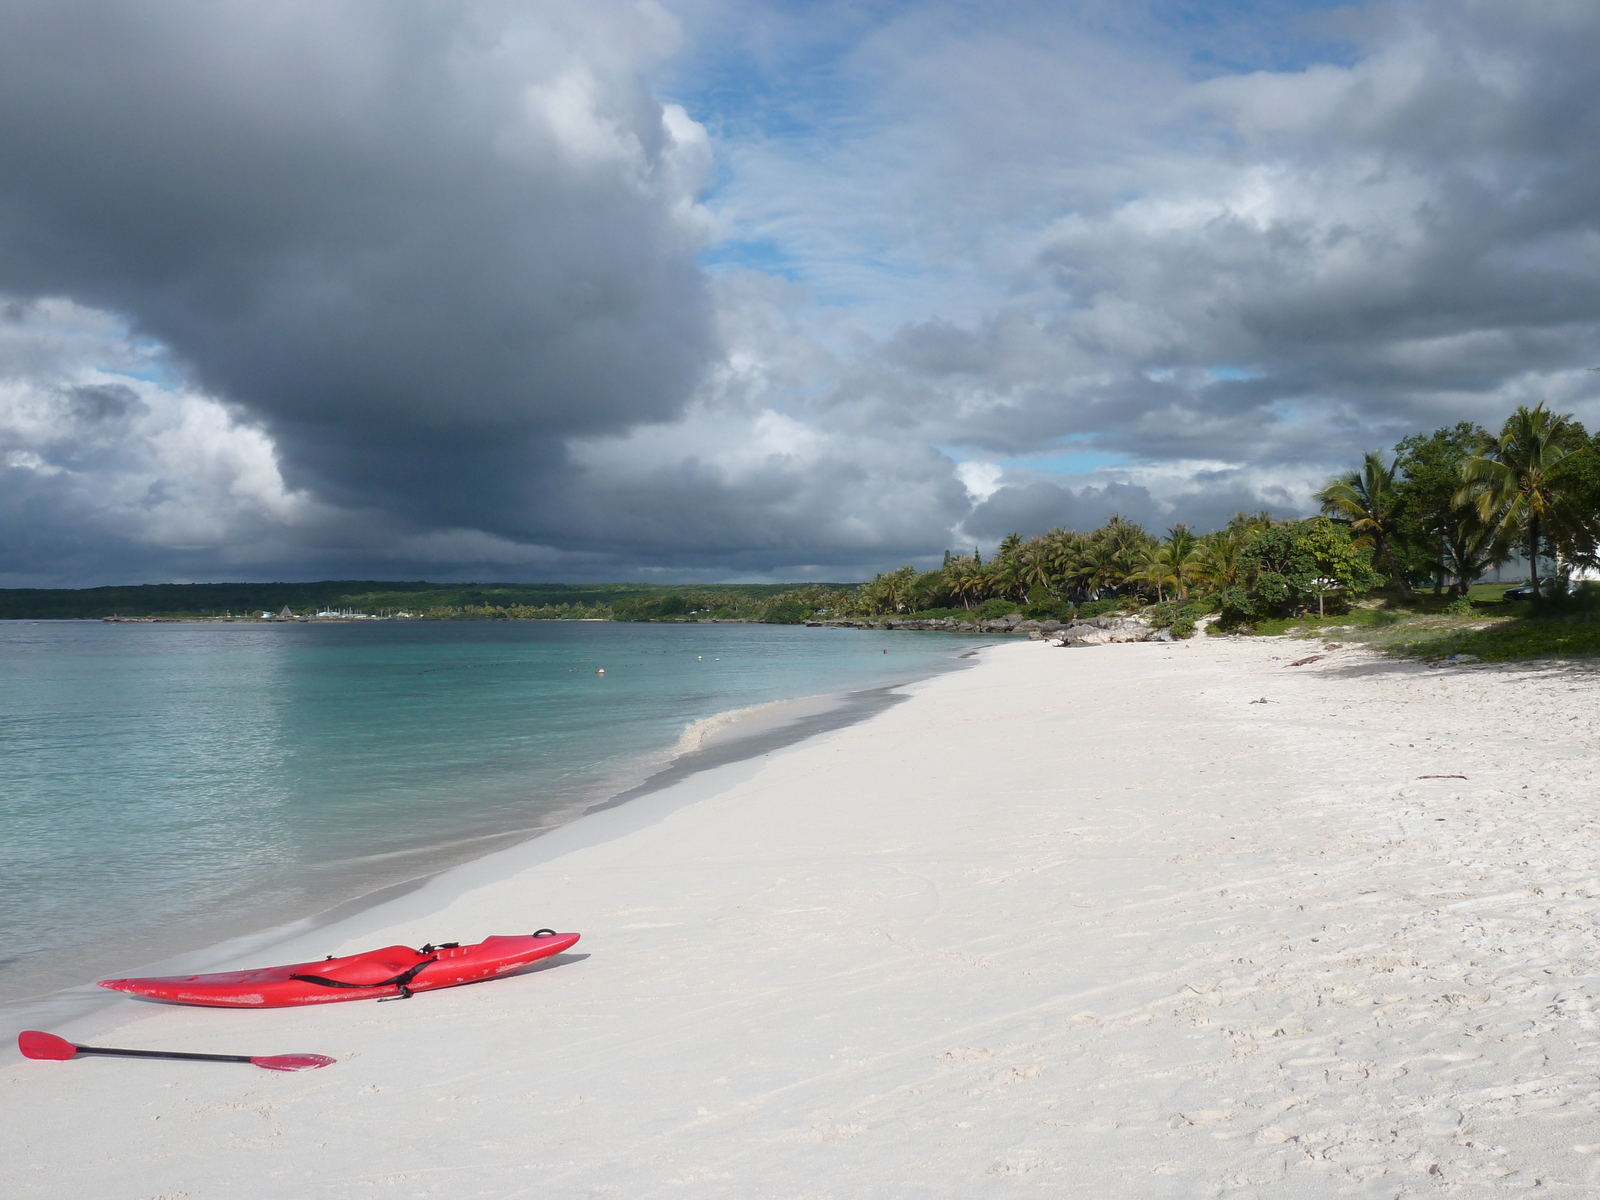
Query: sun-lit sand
(1072, 923)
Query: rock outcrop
(1112, 627)
(1011, 623)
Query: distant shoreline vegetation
(784, 604)
(1444, 510)
(1400, 546)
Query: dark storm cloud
(431, 270)
(421, 243)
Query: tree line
(1440, 512)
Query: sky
(712, 290)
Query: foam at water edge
(696, 733)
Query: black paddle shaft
(106, 1050)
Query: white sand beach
(1071, 923)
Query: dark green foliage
(1237, 608)
(997, 607)
(488, 601)
(1058, 610)
(1095, 608)
(650, 609)
(1517, 487)
(1577, 477)
(1429, 467)
(1282, 564)
(194, 598)
(1179, 616)
(1581, 601)
(932, 590)
(1299, 564)
(1368, 503)
(786, 612)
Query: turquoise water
(164, 785)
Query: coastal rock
(940, 623)
(1103, 630)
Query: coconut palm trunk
(1533, 553)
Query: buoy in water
(601, 671)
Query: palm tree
(1060, 550)
(1035, 565)
(1469, 547)
(969, 579)
(1114, 552)
(1106, 566)
(1175, 561)
(1510, 485)
(1183, 558)
(958, 574)
(1154, 568)
(1073, 562)
(1217, 563)
(1368, 501)
(890, 592)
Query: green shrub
(1179, 616)
(1238, 609)
(939, 614)
(1048, 610)
(1556, 600)
(990, 609)
(1097, 608)
(789, 612)
(653, 609)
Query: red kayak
(393, 973)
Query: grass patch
(1413, 625)
(1354, 621)
(1486, 626)
(1509, 640)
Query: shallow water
(163, 785)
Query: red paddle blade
(294, 1062)
(34, 1044)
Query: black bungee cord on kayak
(403, 979)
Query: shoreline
(1156, 920)
(719, 740)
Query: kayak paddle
(35, 1044)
